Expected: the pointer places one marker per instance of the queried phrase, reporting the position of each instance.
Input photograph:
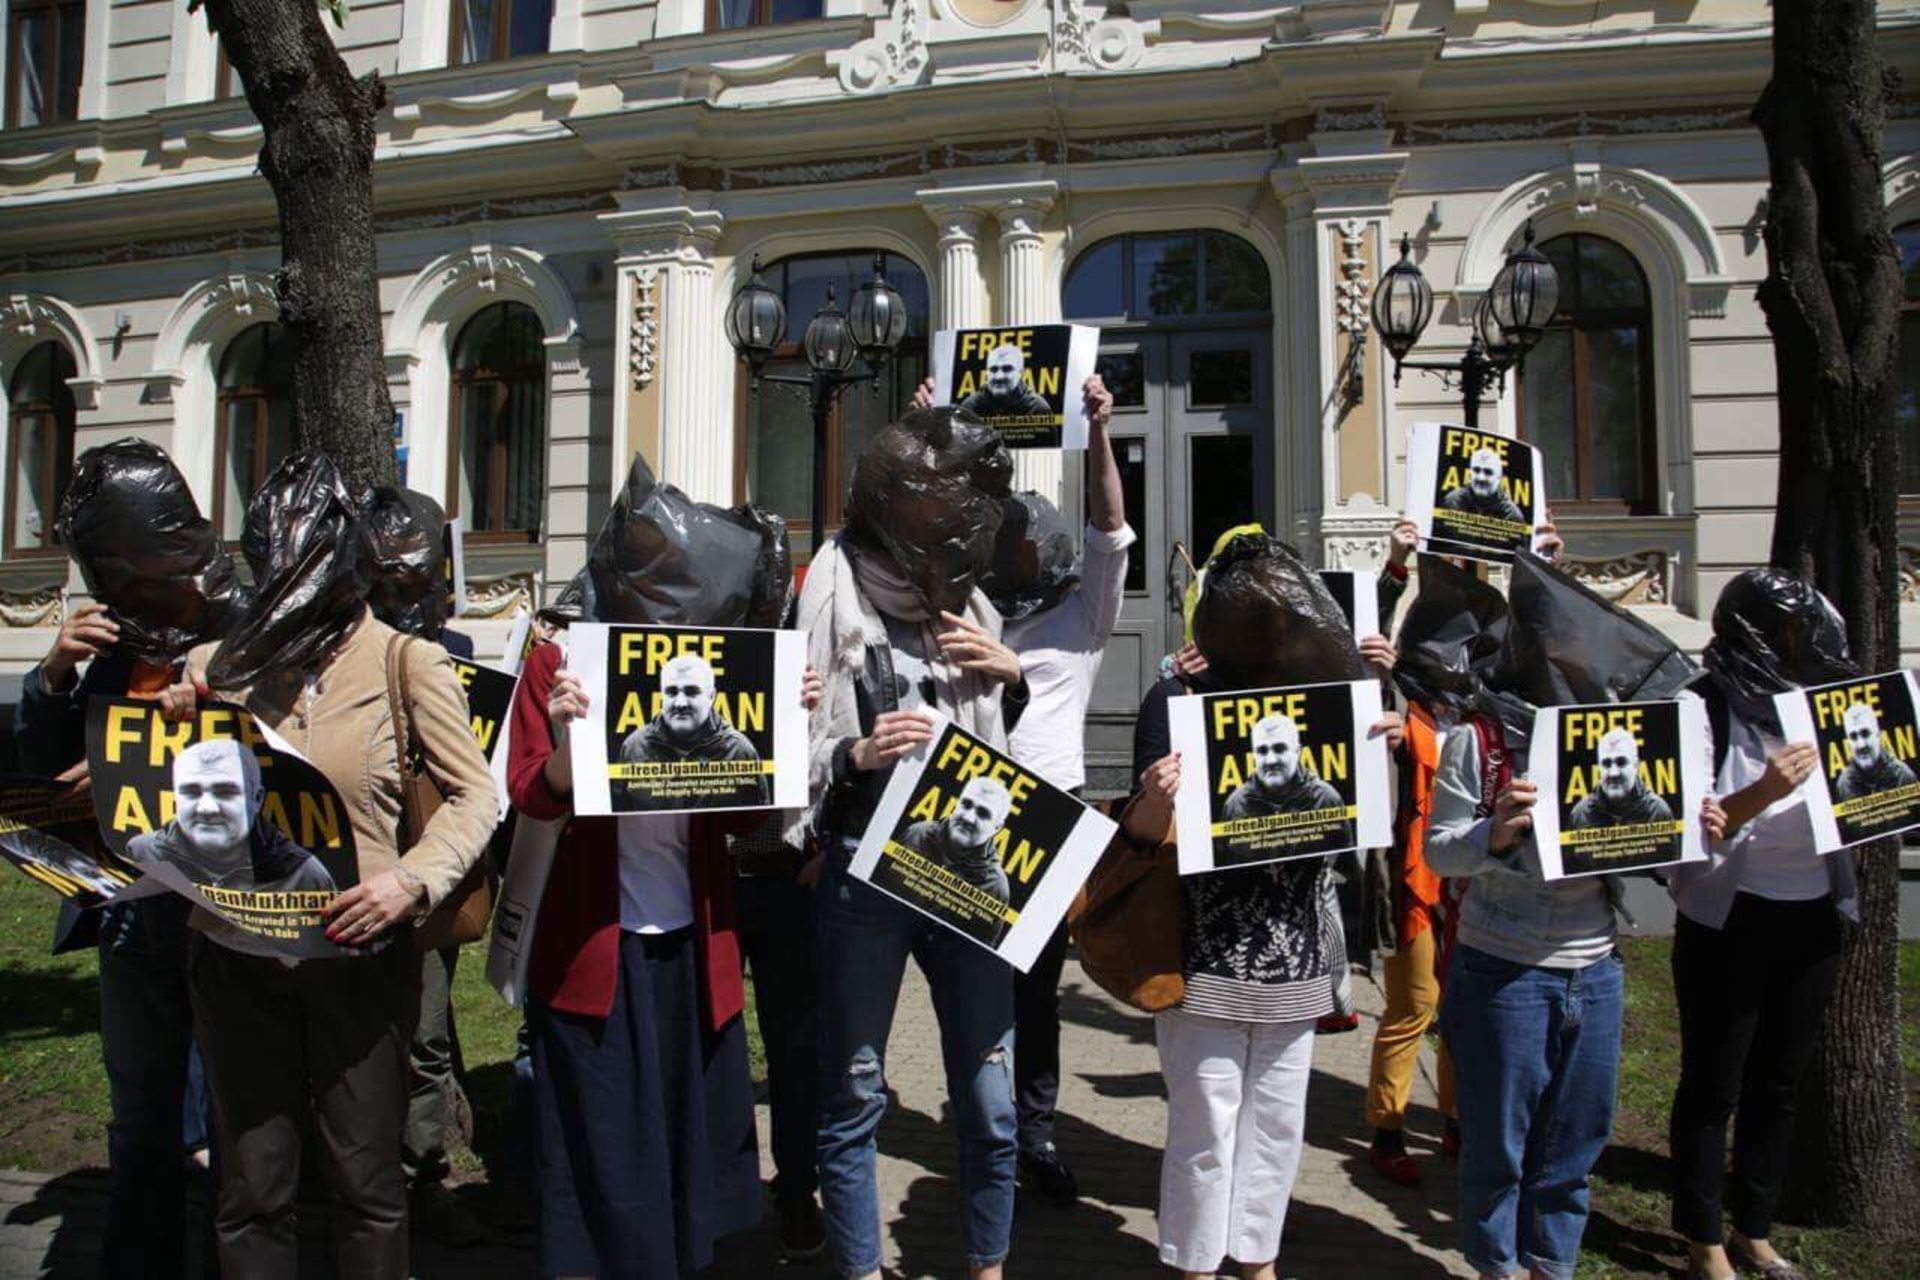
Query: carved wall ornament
(1637, 577)
(501, 596)
(485, 268)
(1349, 119)
(34, 607)
(1167, 145)
(1101, 44)
(895, 54)
(1909, 573)
(1352, 302)
(1580, 124)
(644, 337)
(243, 294)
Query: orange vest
(1419, 892)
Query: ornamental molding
(1578, 124)
(210, 314)
(643, 338)
(29, 319)
(1900, 182)
(1909, 558)
(893, 56)
(247, 294)
(452, 287)
(1169, 145)
(1355, 536)
(1643, 577)
(44, 606)
(1096, 43)
(1654, 218)
(501, 596)
(1350, 119)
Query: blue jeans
(864, 938)
(1536, 1053)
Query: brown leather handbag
(1126, 922)
(462, 915)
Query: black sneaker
(1043, 1174)
(802, 1233)
(437, 1213)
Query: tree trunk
(1832, 300)
(318, 158)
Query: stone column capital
(661, 226)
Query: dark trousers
(434, 1065)
(1751, 997)
(776, 933)
(325, 1037)
(146, 1039)
(1036, 1043)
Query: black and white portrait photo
(1483, 494)
(1006, 394)
(962, 842)
(1870, 766)
(688, 727)
(1280, 782)
(216, 837)
(1623, 797)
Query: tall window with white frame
(1586, 389)
(489, 30)
(254, 420)
(46, 44)
(726, 15)
(499, 415)
(774, 458)
(40, 423)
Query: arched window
(500, 424)
(488, 30)
(255, 419)
(39, 446)
(775, 466)
(1586, 389)
(1906, 405)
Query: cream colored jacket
(339, 719)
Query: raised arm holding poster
(1025, 382)
(1272, 774)
(966, 836)
(51, 837)
(1621, 786)
(222, 811)
(1473, 493)
(687, 718)
(1865, 731)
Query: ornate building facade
(570, 191)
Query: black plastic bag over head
(1264, 618)
(1773, 632)
(409, 589)
(1035, 562)
(661, 557)
(145, 551)
(573, 604)
(307, 546)
(1566, 645)
(929, 493)
(1452, 630)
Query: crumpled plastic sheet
(1452, 629)
(146, 552)
(929, 493)
(1265, 619)
(311, 558)
(662, 558)
(1035, 561)
(1773, 632)
(409, 588)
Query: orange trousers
(1413, 1001)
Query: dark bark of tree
(1832, 300)
(318, 158)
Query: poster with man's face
(966, 836)
(221, 810)
(684, 718)
(1272, 774)
(1620, 786)
(1473, 493)
(51, 837)
(1026, 381)
(1865, 785)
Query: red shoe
(1396, 1167)
(1333, 1024)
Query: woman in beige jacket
(310, 661)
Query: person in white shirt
(1059, 612)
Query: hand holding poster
(221, 810)
(1271, 774)
(966, 836)
(1026, 382)
(50, 835)
(1621, 785)
(1864, 785)
(687, 718)
(1473, 493)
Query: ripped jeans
(862, 939)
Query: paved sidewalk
(1345, 1221)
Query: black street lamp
(1508, 320)
(843, 348)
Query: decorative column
(960, 299)
(1027, 296)
(676, 378)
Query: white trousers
(1236, 1121)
